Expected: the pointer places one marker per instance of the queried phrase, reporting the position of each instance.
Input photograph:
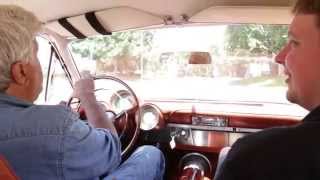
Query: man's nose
(281, 56)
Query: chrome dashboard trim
(212, 128)
(247, 130)
(199, 127)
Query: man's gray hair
(18, 28)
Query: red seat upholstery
(6, 172)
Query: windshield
(218, 63)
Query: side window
(56, 86)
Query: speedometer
(150, 117)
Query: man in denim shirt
(50, 142)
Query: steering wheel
(122, 106)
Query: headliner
(119, 15)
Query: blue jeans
(146, 163)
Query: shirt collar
(314, 115)
(11, 100)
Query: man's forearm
(95, 113)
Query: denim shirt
(50, 142)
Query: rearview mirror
(200, 58)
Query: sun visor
(56, 27)
(110, 20)
(243, 14)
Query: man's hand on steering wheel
(84, 88)
(84, 91)
(124, 121)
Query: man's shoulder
(265, 140)
(50, 116)
(283, 135)
(271, 142)
(53, 111)
(48, 108)
(270, 152)
(36, 120)
(267, 135)
(256, 149)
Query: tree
(118, 44)
(120, 51)
(257, 39)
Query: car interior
(188, 76)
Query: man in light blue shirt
(50, 142)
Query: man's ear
(18, 73)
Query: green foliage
(129, 43)
(256, 39)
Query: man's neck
(18, 94)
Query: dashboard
(191, 133)
(196, 129)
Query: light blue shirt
(50, 142)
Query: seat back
(5, 170)
(222, 156)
